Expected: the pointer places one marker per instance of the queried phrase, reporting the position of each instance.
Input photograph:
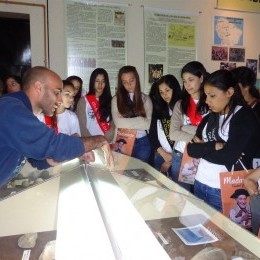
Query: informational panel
(242, 5)
(96, 38)
(170, 42)
(228, 42)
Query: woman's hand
(219, 146)
(196, 139)
(165, 166)
(167, 157)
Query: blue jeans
(210, 195)
(142, 149)
(175, 169)
(158, 161)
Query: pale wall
(57, 46)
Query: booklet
(195, 235)
(188, 169)
(235, 198)
(125, 140)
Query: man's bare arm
(94, 142)
(99, 141)
(91, 143)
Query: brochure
(195, 235)
(235, 198)
(188, 169)
(124, 142)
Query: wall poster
(228, 31)
(170, 42)
(242, 5)
(252, 64)
(96, 37)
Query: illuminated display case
(130, 212)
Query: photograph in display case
(187, 244)
(195, 235)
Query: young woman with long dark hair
(164, 93)
(187, 114)
(94, 109)
(227, 134)
(78, 85)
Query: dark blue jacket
(23, 136)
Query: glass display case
(129, 212)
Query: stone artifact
(27, 240)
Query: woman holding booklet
(187, 114)
(132, 109)
(225, 136)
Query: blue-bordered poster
(228, 31)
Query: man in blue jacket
(23, 137)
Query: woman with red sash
(50, 121)
(94, 109)
(187, 114)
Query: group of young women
(215, 116)
(207, 116)
(99, 113)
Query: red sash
(194, 117)
(94, 104)
(51, 122)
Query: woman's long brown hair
(122, 95)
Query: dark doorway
(15, 44)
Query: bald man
(23, 137)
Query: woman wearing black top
(164, 94)
(224, 136)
